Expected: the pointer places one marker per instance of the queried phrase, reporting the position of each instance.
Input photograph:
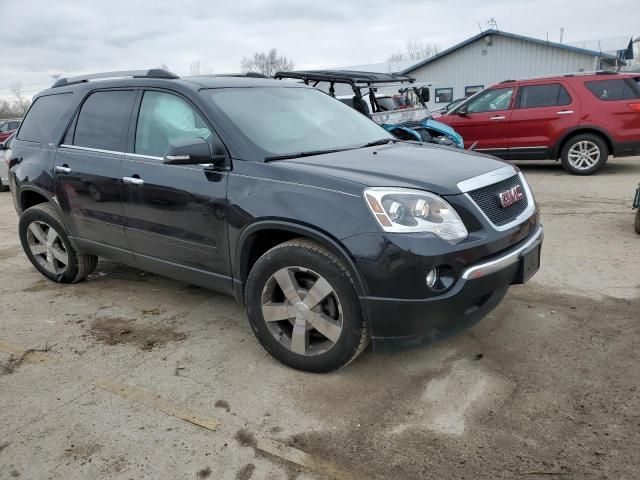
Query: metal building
(493, 56)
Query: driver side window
(492, 101)
(164, 119)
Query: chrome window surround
(112, 152)
(496, 176)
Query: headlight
(402, 210)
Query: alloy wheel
(302, 311)
(47, 247)
(584, 155)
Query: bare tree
(415, 49)
(198, 69)
(266, 63)
(164, 66)
(16, 90)
(55, 76)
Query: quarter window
(44, 113)
(104, 119)
(616, 89)
(444, 95)
(164, 119)
(491, 101)
(553, 94)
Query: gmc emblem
(511, 196)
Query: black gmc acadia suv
(329, 230)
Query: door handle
(499, 117)
(62, 169)
(133, 181)
(564, 112)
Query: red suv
(581, 119)
(7, 127)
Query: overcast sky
(42, 37)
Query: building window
(472, 90)
(444, 95)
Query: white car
(4, 166)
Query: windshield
(288, 120)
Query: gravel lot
(125, 375)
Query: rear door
(541, 113)
(175, 214)
(486, 121)
(87, 167)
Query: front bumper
(399, 324)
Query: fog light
(432, 277)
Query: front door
(175, 214)
(541, 113)
(486, 122)
(87, 168)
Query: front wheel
(46, 244)
(303, 307)
(584, 154)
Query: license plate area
(529, 264)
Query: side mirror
(193, 151)
(462, 110)
(425, 94)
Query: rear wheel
(584, 154)
(303, 307)
(46, 244)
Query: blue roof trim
(605, 56)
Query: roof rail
(558, 75)
(152, 73)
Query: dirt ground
(129, 375)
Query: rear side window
(42, 115)
(535, 96)
(104, 119)
(615, 89)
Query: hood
(425, 167)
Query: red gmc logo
(511, 196)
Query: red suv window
(548, 95)
(614, 89)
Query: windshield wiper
(308, 153)
(382, 141)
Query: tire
(3, 187)
(637, 222)
(58, 261)
(584, 154)
(307, 265)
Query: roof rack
(151, 73)
(345, 76)
(575, 74)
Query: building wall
(481, 64)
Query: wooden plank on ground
(156, 402)
(306, 460)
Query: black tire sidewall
(637, 222)
(280, 257)
(604, 153)
(36, 214)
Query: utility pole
(561, 33)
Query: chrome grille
(487, 199)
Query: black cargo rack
(352, 77)
(151, 73)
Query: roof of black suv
(158, 77)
